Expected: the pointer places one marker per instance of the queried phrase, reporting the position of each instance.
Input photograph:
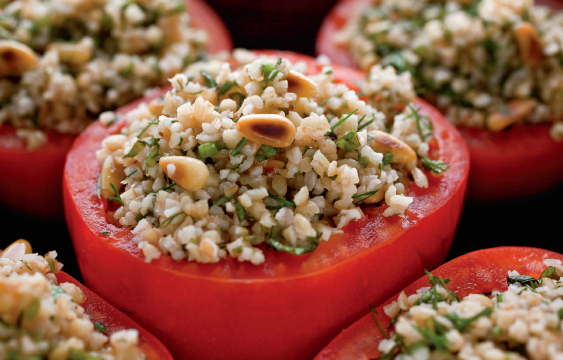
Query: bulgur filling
(523, 322)
(485, 63)
(62, 63)
(42, 319)
(249, 153)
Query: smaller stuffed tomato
(473, 299)
(219, 215)
(39, 299)
(499, 97)
(49, 95)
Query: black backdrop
(292, 25)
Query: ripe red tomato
(114, 320)
(31, 181)
(520, 161)
(290, 306)
(478, 272)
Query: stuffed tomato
(48, 314)
(243, 220)
(58, 74)
(523, 284)
(493, 69)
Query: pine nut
(191, 174)
(267, 129)
(15, 58)
(384, 143)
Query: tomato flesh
(518, 162)
(114, 320)
(31, 181)
(474, 273)
(238, 310)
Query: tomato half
(286, 308)
(30, 182)
(521, 161)
(114, 320)
(474, 273)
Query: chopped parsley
(436, 166)
(147, 127)
(265, 152)
(167, 222)
(117, 197)
(208, 78)
(276, 233)
(364, 196)
(349, 142)
(239, 147)
(101, 328)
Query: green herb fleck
(117, 197)
(364, 196)
(51, 263)
(239, 147)
(167, 222)
(101, 328)
(131, 173)
(209, 79)
(240, 211)
(265, 152)
(462, 324)
(147, 127)
(436, 166)
(349, 142)
(57, 291)
(332, 128)
(383, 332)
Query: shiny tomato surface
(31, 182)
(518, 162)
(478, 272)
(286, 308)
(114, 320)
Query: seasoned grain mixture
(485, 63)
(62, 63)
(523, 322)
(40, 319)
(253, 152)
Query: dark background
(292, 25)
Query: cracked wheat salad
(41, 318)
(486, 64)
(523, 322)
(62, 63)
(250, 153)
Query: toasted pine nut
(530, 44)
(191, 174)
(517, 111)
(15, 58)
(77, 54)
(267, 129)
(274, 164)
(112, 173)
(20, 246)
(383, 142)
(301, 85)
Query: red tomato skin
(31, 182)
(287, 308)
(477, 272)
(519, 162)
(114, 320)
